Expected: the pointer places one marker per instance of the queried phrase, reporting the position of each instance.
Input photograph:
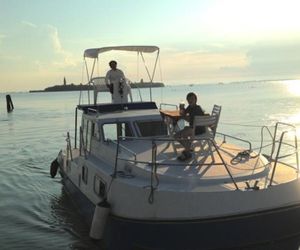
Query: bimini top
(93, 53)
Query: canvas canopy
(93, 53)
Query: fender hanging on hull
(53, 168)
(99, 220)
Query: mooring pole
(9, 103)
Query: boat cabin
(107, 122)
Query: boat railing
(120, 147)
(154, 163)
(279, 143)
(225, 136)
(279, 139)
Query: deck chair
(204, 140)
(211, 124)
(216, 111)
(207, 121)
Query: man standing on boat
(116, 82)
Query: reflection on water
(293, 86)
(67, 218)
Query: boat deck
(211, 166)
(207, 167)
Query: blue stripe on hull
(228, 232)
(252, 229)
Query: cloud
(203, 66)
(275, 59)
(65, 58)
(28, 24)
(2, 37)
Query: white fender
(99, 220)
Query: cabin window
(84, 130)
(95, 131)
(99, 186)
(84, 174)
(87, 131)
(111, 131)
(152, 128)
(89, 135)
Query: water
(35, 211)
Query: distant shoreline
(80, 87)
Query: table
(173, 114)
(171, 117)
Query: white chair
(202, 143)
(207, 121)
(210, 122)
(216, 111)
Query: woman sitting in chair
(183, 135)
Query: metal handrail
(213, 143)
(276, 160)
(92, 110)
(154, 154)
(123, 147)
(224, 163)
(236, 138)
(263, 128)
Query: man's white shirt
(115, 77)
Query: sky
(201, 41)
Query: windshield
(152, 128)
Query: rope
(242, 156)
(153, 174)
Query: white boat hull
(197, 220)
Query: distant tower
(65, 81)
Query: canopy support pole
(148, 75)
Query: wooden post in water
(9, 103)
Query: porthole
(84, 174)
(99, 186)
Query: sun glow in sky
(204, 41)
(293, 86)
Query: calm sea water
(35, 211)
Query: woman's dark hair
(112, 62)
(189, 95)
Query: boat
(122, 171)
